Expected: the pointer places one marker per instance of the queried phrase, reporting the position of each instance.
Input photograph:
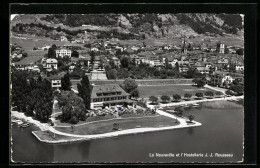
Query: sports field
(147, 91)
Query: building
(98, 75)
(51, 63)
(63, 52)
(221, 48)
(135, 58)
(27, 63)
(109, 95)
(237, 66)
(55, 81)
(221, 79)
(63, 38)
(203, 70)
(115, 60)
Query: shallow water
(221, 132)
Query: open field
(33, 41)
(129, 123)
(147, 91)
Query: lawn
(129, 123)
(147, 91)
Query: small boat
(25, 125)
(186, 105)
(138, 126)
(195, 105)
(171, 111)
(19, 123)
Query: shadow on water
(190, 131)
(72, 152)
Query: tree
(239, 89)
(84, 89)
(75, 54)
(179, 111)
(72, 106)
(130, 86)
(187, 96)
(44, 97)
(209, 93)
(65, 82)
(229, 92)
(165, 98)
(124, 62)
(112, 74)
(92, 59)
(177, 67)
(240, 51)
(24, 55)
(235, 82)
(191, 117)
(200, 82)
(176, 97)
(199, 94)
(51, 51)
(218, 93)
(58, 29)
(153, 99)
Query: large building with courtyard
(109, 95)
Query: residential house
(203, 70)
(63, 52)
(171, 60)
(183, 65)
(51, 63)
(237, 66)
(135, 58)
(115, 60)
(55, 81)
(221, 79)
(109, 95)
(221, 48)
(63, 38)
(27, 63)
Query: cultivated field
(147, 91)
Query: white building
(220, 78)
(222, 48)
(51, 62)
(55, 81)
(63, 38)
(63, 52)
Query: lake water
(221, 132)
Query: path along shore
(183, 124)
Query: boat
(171, 111)
(186, 105)
(25, 125)
(195, 105)
(19, 123)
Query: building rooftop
(107, 89)
(51, 61)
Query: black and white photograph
(127, 87)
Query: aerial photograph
(127, 88)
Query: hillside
(129, 26)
